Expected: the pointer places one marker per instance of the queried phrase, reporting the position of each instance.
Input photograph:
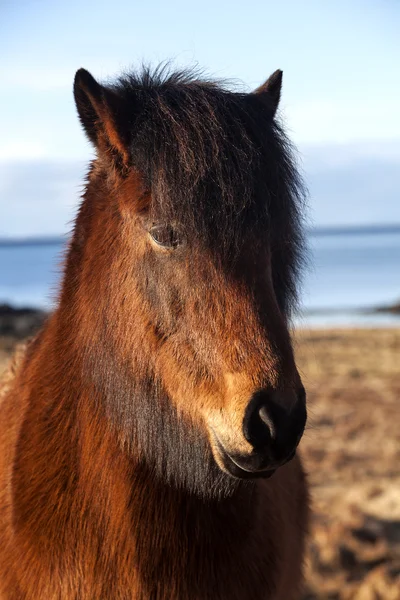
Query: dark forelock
(215, 159)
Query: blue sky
(340, 103)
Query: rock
(394, 308)
(20, 323)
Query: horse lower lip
(245, 470)
(265, 473)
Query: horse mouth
(241, 468)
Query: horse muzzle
(273, 427)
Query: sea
(350, 272)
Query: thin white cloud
(349, 184)
(24, 149)
(42, 78)
(38, 79)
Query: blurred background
(340, 105)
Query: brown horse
(149, 432)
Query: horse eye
(166, 236)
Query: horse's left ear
(271, 90)
(101, 112)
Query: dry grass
(352, 454)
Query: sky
(340, 99)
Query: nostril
(265, 417)
(258, 427)
(275, 421)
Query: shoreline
(22, 322)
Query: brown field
(352, 454)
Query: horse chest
(192, 558)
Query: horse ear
(101, 112)
(271, 90)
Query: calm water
(349, 274)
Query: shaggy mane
(216, 162)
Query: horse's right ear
(101, 112)
(270, 91)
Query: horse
(149, 432)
